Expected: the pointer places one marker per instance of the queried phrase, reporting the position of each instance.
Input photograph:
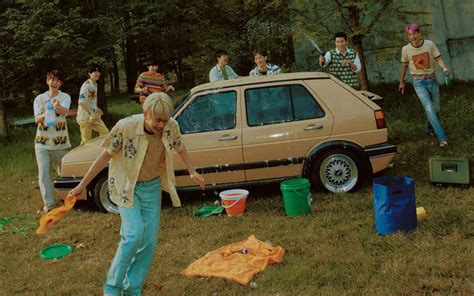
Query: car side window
(268, 105)
(277, 104)
(305, 106)
(209, 112)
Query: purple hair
(412, 28)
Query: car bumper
(62, 186)
(381, 156)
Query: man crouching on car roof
(139, 148)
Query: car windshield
(182, 102)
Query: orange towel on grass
(238, 261)
(54, 215)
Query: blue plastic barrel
(394, 204)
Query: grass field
(335, 250)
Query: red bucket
(234, 201)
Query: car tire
(101, 197)
(337, 170)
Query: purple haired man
(421, 56)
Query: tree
(68, 39)
(67, 35)
(365, 21)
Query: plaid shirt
(271, 70)
(127, 143)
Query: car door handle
(313, 127)
(227, 138)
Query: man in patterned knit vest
(342, 61)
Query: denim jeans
(427, 90)
(43, 159)
(139, 234)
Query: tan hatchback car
(266, 129)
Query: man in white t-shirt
(52, 139)
(421, 57)
(89, 116)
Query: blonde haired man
(139, 148)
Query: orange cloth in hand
(237, 262)
(55, 214)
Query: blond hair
(159, 105)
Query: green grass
(335, 250)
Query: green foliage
(67, 35)
(41, 36)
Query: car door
(211, 130)
(281, 122)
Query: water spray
(315, 45)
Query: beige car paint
(211, 148)
(281, 140)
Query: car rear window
(209, 112)
(277, 104)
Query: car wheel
(337, 170)
(101, 196)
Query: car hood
(85, 153)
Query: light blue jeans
(139, 234)
(43, 159)
(427, 90)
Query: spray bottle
(50, 114)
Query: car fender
(333, 144)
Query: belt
(422, 76)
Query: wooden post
(4, 131)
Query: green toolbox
(449, 170)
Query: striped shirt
(155, 82)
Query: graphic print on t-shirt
(422, 60)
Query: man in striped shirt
(151, 82)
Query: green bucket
(296, 196)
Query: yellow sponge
(420, 213)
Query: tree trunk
(363, 79)
(358, 46)
(131, 65)
(111, 79)
(101, 97)
(115, 72)
(4, 131)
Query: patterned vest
(344, 72)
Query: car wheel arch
(331, 145)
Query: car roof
(246, 80)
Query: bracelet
(445, 69)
